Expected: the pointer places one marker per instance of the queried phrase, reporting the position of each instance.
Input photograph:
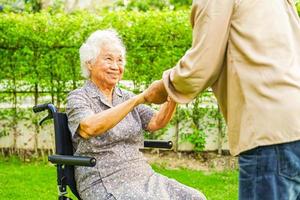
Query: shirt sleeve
(77, 109)
(146, 113)
(201, 65)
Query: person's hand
(156, 93)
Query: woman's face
(109, 66)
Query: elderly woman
(106, 122)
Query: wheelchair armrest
(158, 144)
(72, 160)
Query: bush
(146, 5)
(42, 48)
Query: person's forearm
(99, 123)
(162, 117)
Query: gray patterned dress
(121, 171)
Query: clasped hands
(156, 93)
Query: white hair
(90, 50)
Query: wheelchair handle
(72, 160)
(47, 106)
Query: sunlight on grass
(37, 180)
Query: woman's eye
(108, 58)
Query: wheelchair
(64, 158)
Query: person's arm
(201, 65)
(163, 116)
(96, 124)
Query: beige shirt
(249, 52)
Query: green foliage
(201, 117)
(147, 5)
(144, 5)
(196, 137)
(34, 5)
(157, 134)
(43, 48)
(30, 6)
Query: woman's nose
(114, 65)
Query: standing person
(107, 123)
(248, 51)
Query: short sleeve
(146, 113)
(77, 109)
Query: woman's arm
(99, 123)
(163, 116)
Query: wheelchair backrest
(63, 145)
(63, 141)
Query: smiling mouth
(113, 74)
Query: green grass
(37, 180)
(215, 185)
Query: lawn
(37, 181)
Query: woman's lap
(157, 187)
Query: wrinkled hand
(156, 93)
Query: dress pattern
(122, 171)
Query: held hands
(156, 93)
